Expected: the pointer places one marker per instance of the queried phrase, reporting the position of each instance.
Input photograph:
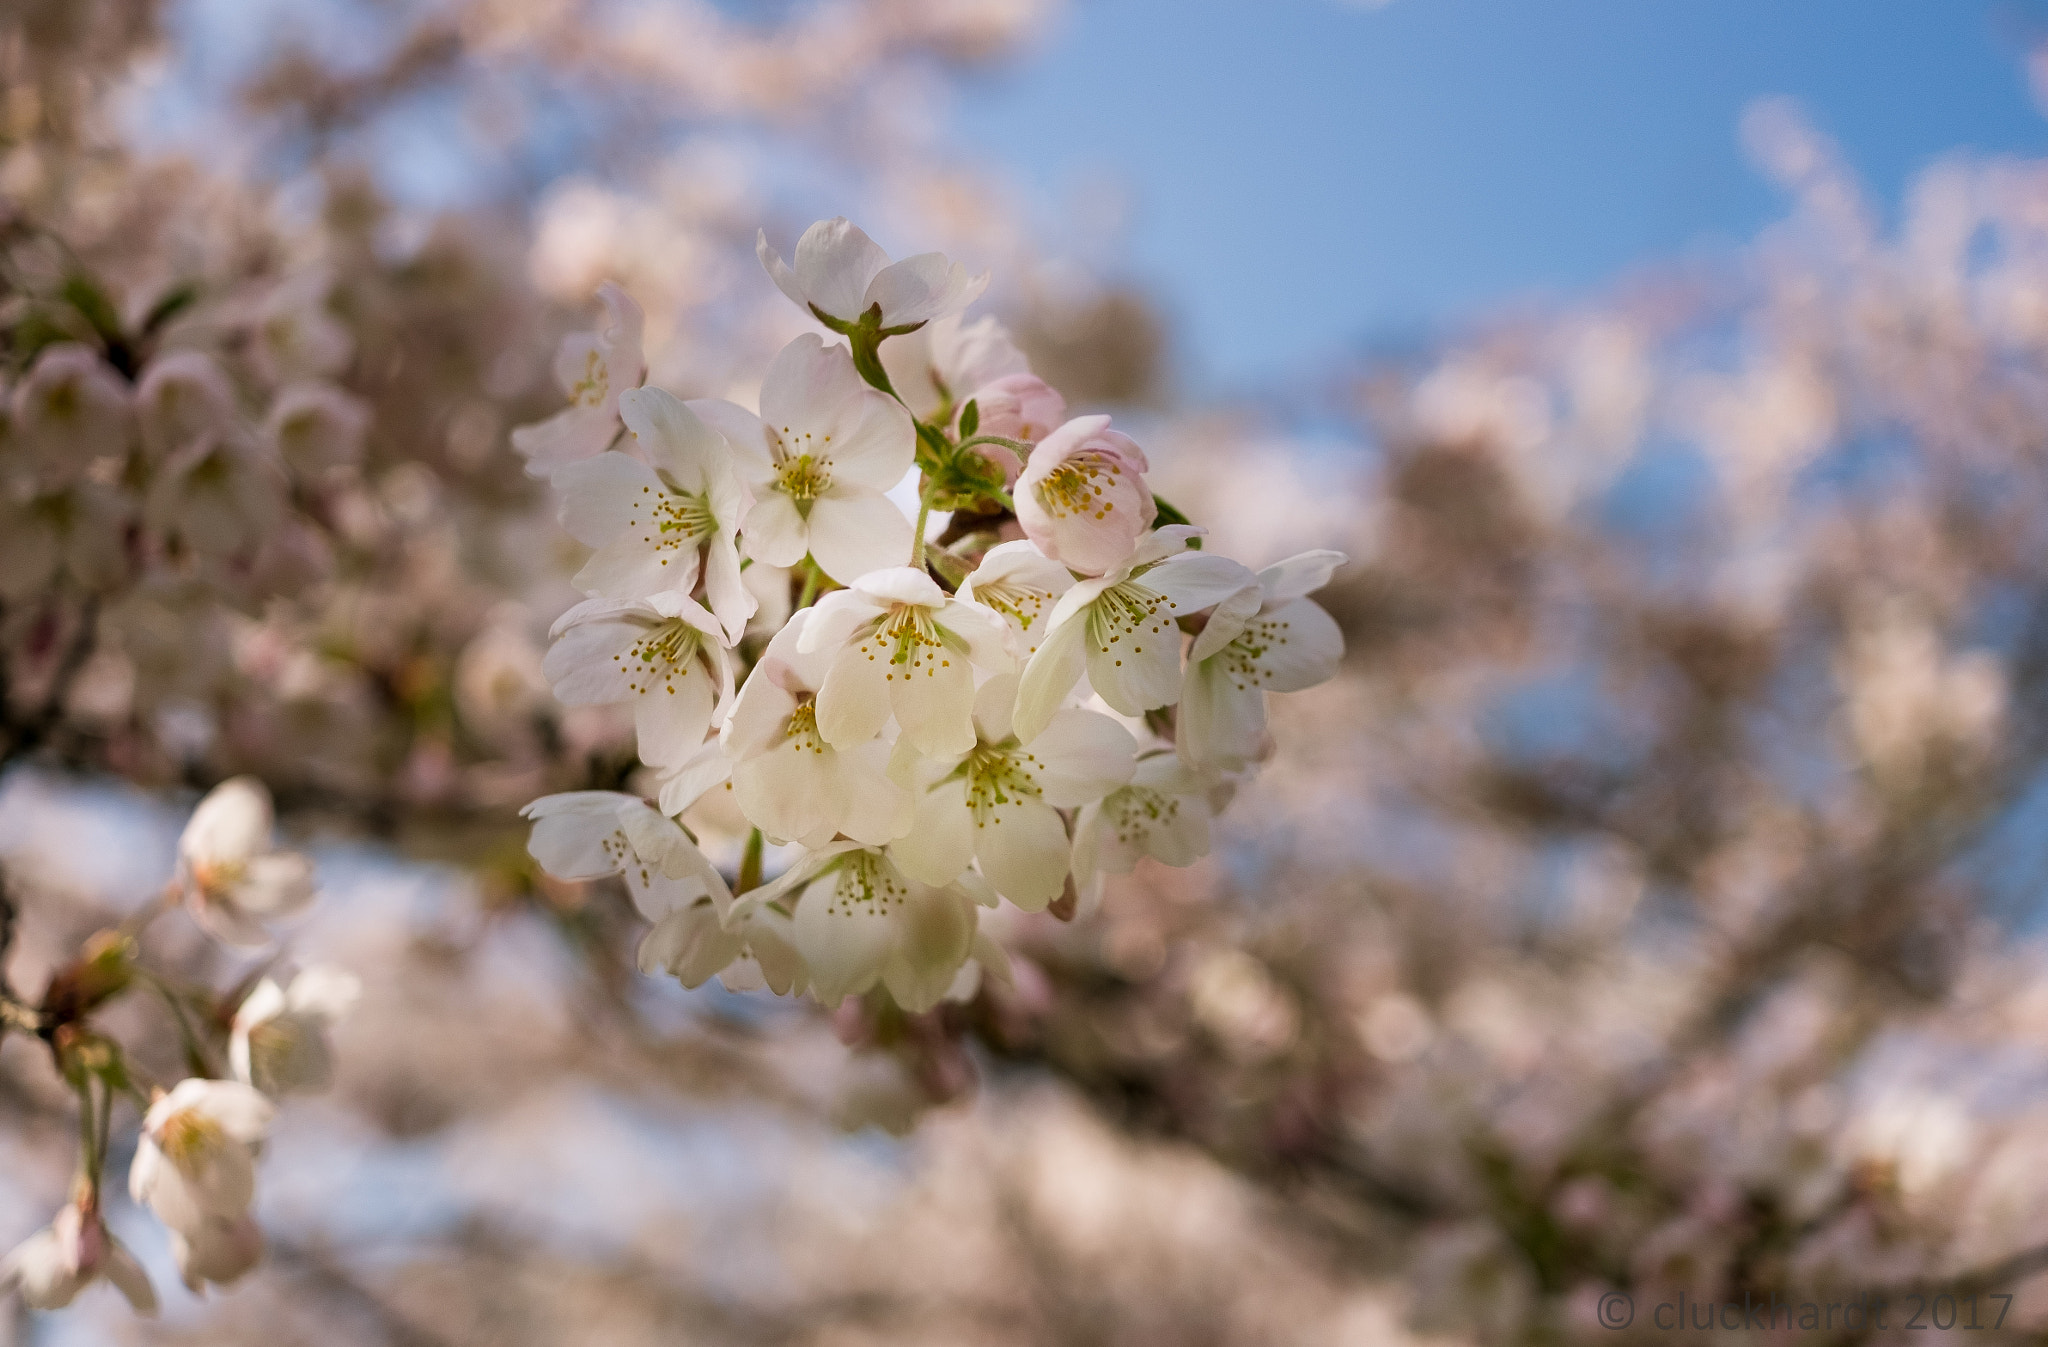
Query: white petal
(835, 261)
(1025, 853)
(775, 532)
(921, 288)
(844, 939)
(855, 701)
(855, 530)
(933, 698)
(940, 843)
(743, 433)
(1082, 756)
(231, 824)
(689, 944)
(672, 716)
(778, 271)
(1050, 675)
(569, 832)
(725, 588)
(1299, 645)
(1134, 678)
(675, 439)
(600, 495)
(935, 932)
(1195, 580)
(1220, 724)
(1299, 575)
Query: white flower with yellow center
(1268, 639)
(279, 1040)
(195, 1164)
(664, 655)
(899, 644)
(819, 457)
(1018, 581)
(1163, 813)
(233, 879)
(657, 525)
(842, 276)
(593, 368)
(786, 778)
(860, 922)
(1122, 630)
(588, 834)
(998, 804)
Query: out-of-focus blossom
(234, 880)
(296, 335)
(316, 427)
(997, 804)
(1121, 629)
(184, 397)
(218, 1251)
(278, 1042)
(664, 655)
(1082, 498)
(943, 364)
(195, 1166)
(1283, 644)
(923, 643)
(69, 409)
(657, 524)
(52, 1266)
(75, 532)
(786, 777)
(819, 456)
(843, 278)
(218, 495)
(593, 368)
(1021, 583)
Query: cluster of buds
(1059, 683)
(195, 1160)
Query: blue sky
(1307, 174)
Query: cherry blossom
(52, 1266)
(656, 525)
(232, 879)
(1021, 583)
(1082, 498)
(786, 777)
(589, 834)
(195, 1167)
(664, 655)
(941, 366)
(899, 644)
(316, 427)
(819, 457)
(997, 805)
(843, 279)
(593, 368)
(1121, 629)
(1163, 813)
(278, 1042)
(73, 531)
(1271, 638)
(184, 396)
(70, 408)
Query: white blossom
(278, 1042)
(69, 409)
(1121, 629)
(899, 644)
(233, 879)
(842, 276)
(665, 655)
(819, 457)
(184, 396)
(52, 1266)
(656, 525)
(593, 368)
(1271, 638)
(1163, 813)
(195, 1165)
(1021, 583)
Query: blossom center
(911, 639)
(802, 731)
(803, 477)
(1077, 485)
(1128, 611)
(187, 1136)
(998, 775)
(678, 519)
(866, 885)
(1243, 661)
(667, 652)
(1024, 604)
(1134, 811)
(590, 390)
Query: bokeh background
(1652, 905)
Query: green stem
(750, 863)
(924, 514)
(812, 575)
(1018, 446)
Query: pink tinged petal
(601, 495)
(812, 397)
(855, 702)
(1134, 678)
(935, 932)
(775, 532)
(570, 829)
(856, 530)
(1023, 849)
(940, 843)
(778, 271)
(1050, 675)
(690, 945)
(835, 261)
(933, 699)
(1082, 756)
(877, 445)
(744, 433)
(1300, 575)
(569, 435)
(1019, 407)
(1294, 646)
(921, 288)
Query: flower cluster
(938, 719)
(195, 1160)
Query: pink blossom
(1082, 498)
